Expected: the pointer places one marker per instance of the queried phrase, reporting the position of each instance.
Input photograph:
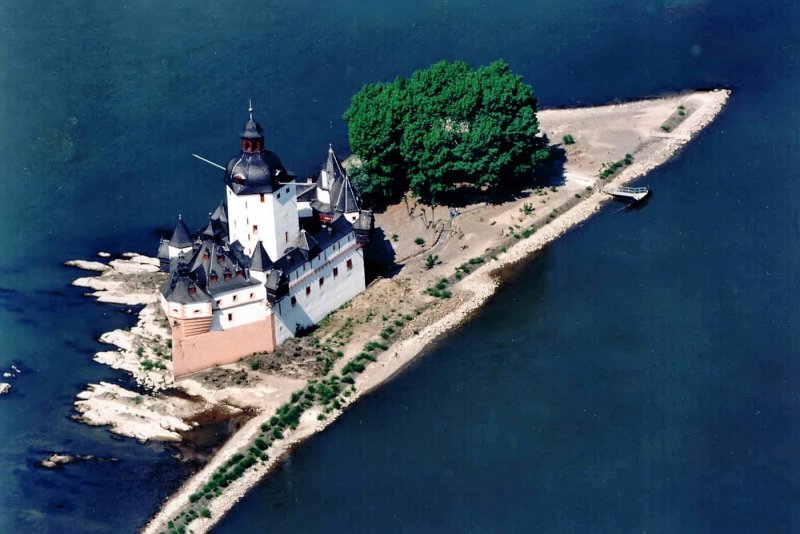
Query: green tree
(374, 119)
(448, 127)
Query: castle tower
(260, 208)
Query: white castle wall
(240, 307)
(270, 218)
(311, 307)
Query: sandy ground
(602, 134)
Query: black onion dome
(256, 172)
(252, 130)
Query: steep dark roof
(333, 232)
(256, 172)
(214, 230)
(213, 266)
(163, 249)
(182, 289)
(292, 259)
(346, 201)
(221, 213)
(331, 172)
(260, 261)
(252, 130)
(306, 242)
(308, 194)
(238, 253)
(181, 236)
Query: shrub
(254, 365)
(276, 433)
(205, 512)
(430, 261)
(261, 444)
(419, 241)
(140, 352)
(568, 139)
(395, 237)
(476, 261)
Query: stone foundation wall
(195, 353)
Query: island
(442, 242)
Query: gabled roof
(214, 230)
(306, 242)
(181, 236)
(221, 213)
(261, 261)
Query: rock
(15, 369)
(104, 254)
(56, 460)
(7, 375)
(88, 265)
(4, 388)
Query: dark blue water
(667, 402)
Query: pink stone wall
(195, 353)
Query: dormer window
(255, 229)
(192, 290)
(226, 276)
(213, 277)
(262, 198)
(220, 258)
(205, 256)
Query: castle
(276, 256)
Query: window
(197, 311)
(255, 229)
(335, 272)
(321, 281)
(262, 198)
(286, 236)
(349, 265)
(294, 302)
(308, 290)
(252, 295)
(218, 302)
(230, 317)
(235, 298)
(278, 195)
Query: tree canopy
(446, 128)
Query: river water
(639, 375)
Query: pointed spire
(181, 236)
(250, 108)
